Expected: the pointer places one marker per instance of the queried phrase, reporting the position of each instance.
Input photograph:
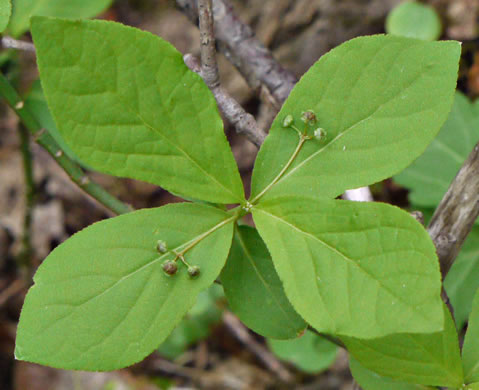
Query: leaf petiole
(180, 255)
(302, 139)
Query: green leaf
(381, 100)
(427, 359)
(36, 104)
(310, 352)
(195, 326)
(349, 268)
(5, 12)
(23, 10)
(414, 20)
(430, 175)
(462, 281)
(131, 114)
(369, 380)
(470, 350)
(254, 291)
(472, 386)
(101, 300)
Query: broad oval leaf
(470, 350)
(5, 12)
(369, 380)
(427, 359)
(23, 10)
(414, 20)
(472, 386)
(254, 291)
(381, 100)
(127, 105)
(101, 300)
(352, 268)
(429, 177)
(310, 352)
(462, 281)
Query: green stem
(198, 239)
(26, 253)
(302, 139)
(43, 137)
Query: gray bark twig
(243, 122)
(239, 44)
(459, 208)
(209, 67)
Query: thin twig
(209, 67)
(27, 250)
(455, 216)
(11, 43)
(243, 335)
(246, 52)
(43, 137)
(243, 122)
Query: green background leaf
(310, 352)
(131, 114)
(254, 291)
(470, 350)
(75, 9)
(369, 380)
(5, 12)
(101, 300)
(351, 268)
(414, 20)
(381, 99)
(427, 359)
(462, 281)
(472, 386)
(429, 177)
(196, 324)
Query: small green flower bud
(288, 120)
(320, 134)
(170, 267)
(161, 246)
(193, 271)
(309, 117)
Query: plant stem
(204, 235)
(302, 139)
(43, 137)
(26, 252)
(209, 67)
(456, 213)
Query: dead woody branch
(239, 44)
(208, 70)
(455, 216)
